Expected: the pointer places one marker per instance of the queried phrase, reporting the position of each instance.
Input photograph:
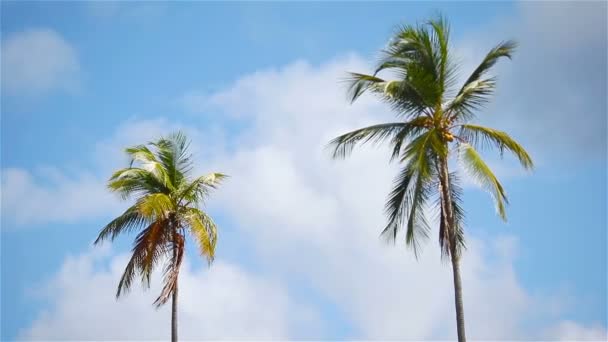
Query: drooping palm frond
(479, 171)
(172, 270)
(410, 193)
(151, 244)
(204, 232)
(130, 220)
(479, 136)
(458, 216)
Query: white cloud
(224, 302)
(572, 331)
(52, 196)
(37, 61)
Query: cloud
(552, 94)
(59, 195)
(572, 331)
(224, 302)
(51, 196)
(37, 61)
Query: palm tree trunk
(174, 316)
(446, 195)
(458, 298)
(174, 296)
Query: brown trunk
(448, 218)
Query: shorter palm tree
(167, 204)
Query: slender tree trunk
(446, 195)
(174, 316)
(174, 296)
(458, 298)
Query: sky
(257, 86)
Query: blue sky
(257, 88)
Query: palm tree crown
(434, 122)
(167, 204)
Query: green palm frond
(141, 153)
(343, 145)
(478, 169)
(479, 136)
(504, 49)
(136, 182)
(471, 98)
(155, 206)
(204, 231)
(458, 218)
(360, 83)
(173, 155)
(476, 90)
(417, 225)
(199, 188)
(410, 193)
(131, 219)
(441, 37)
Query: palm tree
(434, 123)
(167, 204)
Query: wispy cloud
(38, 61)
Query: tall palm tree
(167, 204)
(434, 124)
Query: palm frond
(458, 219)
(203, 230)
(155, 206)
(199, 188)
(344, 144)
(441, 37)
(410, 193)
(480, 171)
(131, 219)
(141, 153)
(504, 49)
(174, 157)
(479, 136)
(476, 90)
(360, 83)
(134, 181)
(149, 247)
(172, 270)
(471, 98)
